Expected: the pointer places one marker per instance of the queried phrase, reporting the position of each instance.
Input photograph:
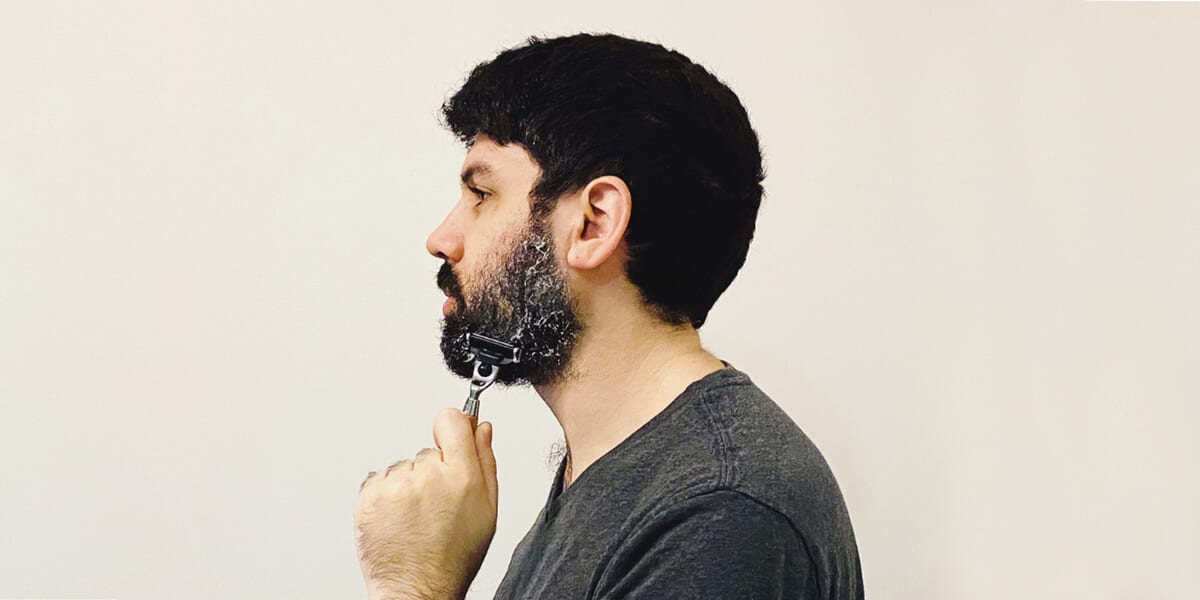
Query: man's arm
(721, 544)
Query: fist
(423, 526)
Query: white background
(974, 284)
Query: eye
(480, 194)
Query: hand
(424, 525)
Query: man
(609, 195)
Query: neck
(622, 376)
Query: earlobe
(605, 206)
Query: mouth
(449, 304)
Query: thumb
(452, 434)
(487, 458)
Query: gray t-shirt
(718, 496)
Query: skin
(424, 528)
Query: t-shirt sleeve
(721, 544)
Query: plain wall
(974, 283)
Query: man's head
(601, 171)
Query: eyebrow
(474, 169)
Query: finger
(487, 459)
(402, 463)
(452, 433)
(427, 454)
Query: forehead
(500, 165)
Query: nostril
(445, 242)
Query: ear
(599, 226)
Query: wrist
(403, 590)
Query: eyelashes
(480, 195)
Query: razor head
(491, 351)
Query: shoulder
(735, 445)
(725, 433)
(724, 470)
(716, 544)
(717, 514)
(765, 454)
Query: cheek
(488, 243)
(479, 241)
(478, 264)
(474, 263)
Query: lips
(449, 304)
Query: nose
(446, 241)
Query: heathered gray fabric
(719, 496)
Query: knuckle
(367, 480)
(400, 464)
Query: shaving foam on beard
(525, 304)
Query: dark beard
(527, 304)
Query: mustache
(448, 281)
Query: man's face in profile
(501, 274)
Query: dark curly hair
(587, 105)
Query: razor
(489, 355)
